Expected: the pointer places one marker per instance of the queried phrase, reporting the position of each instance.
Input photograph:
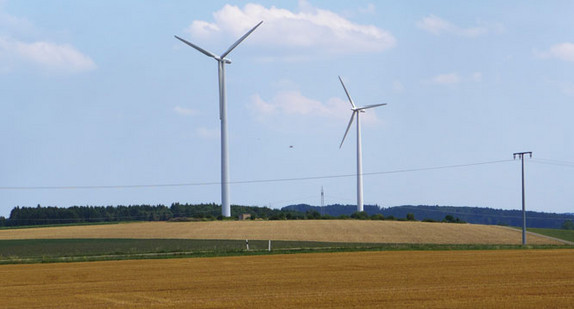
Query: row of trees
(21, 216)
(39, 215)
(84, 214)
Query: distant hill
(477, 215)
(22, 216)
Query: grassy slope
(70, 250)
(90, 247)
(556, 233)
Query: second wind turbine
(356, 112)
(221, 60)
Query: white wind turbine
(356, 111)
(221, 60)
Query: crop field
(304, 230)
(454, 279)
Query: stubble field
(454, 279)
(304, 230)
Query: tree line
(40, 215)
(475, 215)
(51, 215)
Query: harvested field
(455, 279)
(304, 230)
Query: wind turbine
(356, 111)
(221, 61)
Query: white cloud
(445, 79)
(310, 30)
(51, 56)
(11, 25)
(200, 28)
(290, 103)
(185, 111)
(476, 77)
(438, 26)
(369, 9)
(398, 87)
(567, 88)
(449, 79)
(562, 51)
(289, 107)
(206, 133)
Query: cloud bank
(310, 29)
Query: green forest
(39, 215)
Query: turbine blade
(347, 92)
(371, 106)
(240, 40)
(205, 52)
(348, 127)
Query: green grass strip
(77, 250)
(567, 235)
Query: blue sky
(100, 93)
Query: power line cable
(248, 181)
(553, 162)
(556, 161)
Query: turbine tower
(356, 111)
(221, 61)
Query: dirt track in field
(445, 279)
(305, 230)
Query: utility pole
(520, 155)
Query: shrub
(451, 219)
(313, 214)
(361, 215)
(568, 225)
